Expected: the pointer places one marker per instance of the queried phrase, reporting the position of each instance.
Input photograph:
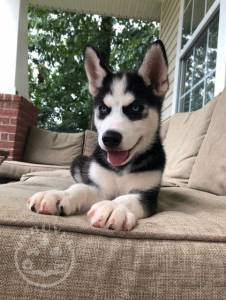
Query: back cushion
(209, 171)
(52, 148)
(182, 143)
(90, 142)
(163, 130)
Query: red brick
(4, 121)
(4, 137)
(10, 97)
(17, 155)
(9, 105)
(19, 136)
(17, 115)
(4, 145)
(23, 121)
(22, 130)
(8, 128)
(8, 112)
(11, 136)
(13, 121)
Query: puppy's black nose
(112, 139)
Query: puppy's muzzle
(112, 139)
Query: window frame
(220, 77)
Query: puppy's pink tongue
(116, 158)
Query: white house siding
(168, 34)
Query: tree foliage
(57, 80)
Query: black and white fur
(127, 109)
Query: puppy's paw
(52, 203)
(107, 214)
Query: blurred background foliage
(57, 81)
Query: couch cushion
(99, 267)
(90, 142)
(52, 148)
(163, 129)
(209, 171)
(184, 214)
(15, 169)
(182, 143)
(179, 252)
(49, 174)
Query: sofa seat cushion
(99, 267)
(52, 148)
(184, 214)
(183, 140)
(15, 169)
(179, 251)
(209, 171)
(63, 173)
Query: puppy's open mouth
(117, 158)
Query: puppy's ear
(154, 69)
(94, 70)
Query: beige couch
(46, 151)
(179, 253)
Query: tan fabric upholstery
(164, 129)
(49, 174)
(184, 214)
(52, 148)
(90, 142)
(209, 171)
(112, 268)
(15, 169)
(177, 254)
(183, 140)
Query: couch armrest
(15, 169)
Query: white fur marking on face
(119, 96)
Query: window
(198, 54)
(194, 11)
(198, 69)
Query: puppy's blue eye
(137, 108)
(103, 109)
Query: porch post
(17, 114)
(13, 49)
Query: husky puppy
(120, 182)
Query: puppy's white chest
(107, 181)
(113, 185)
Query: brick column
(17, 115)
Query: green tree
(57, 80)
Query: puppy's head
(127, 105)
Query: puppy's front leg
(123, 212)
(142, 204)
(68, 202)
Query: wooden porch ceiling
(144, 9)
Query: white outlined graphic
(43, 258)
